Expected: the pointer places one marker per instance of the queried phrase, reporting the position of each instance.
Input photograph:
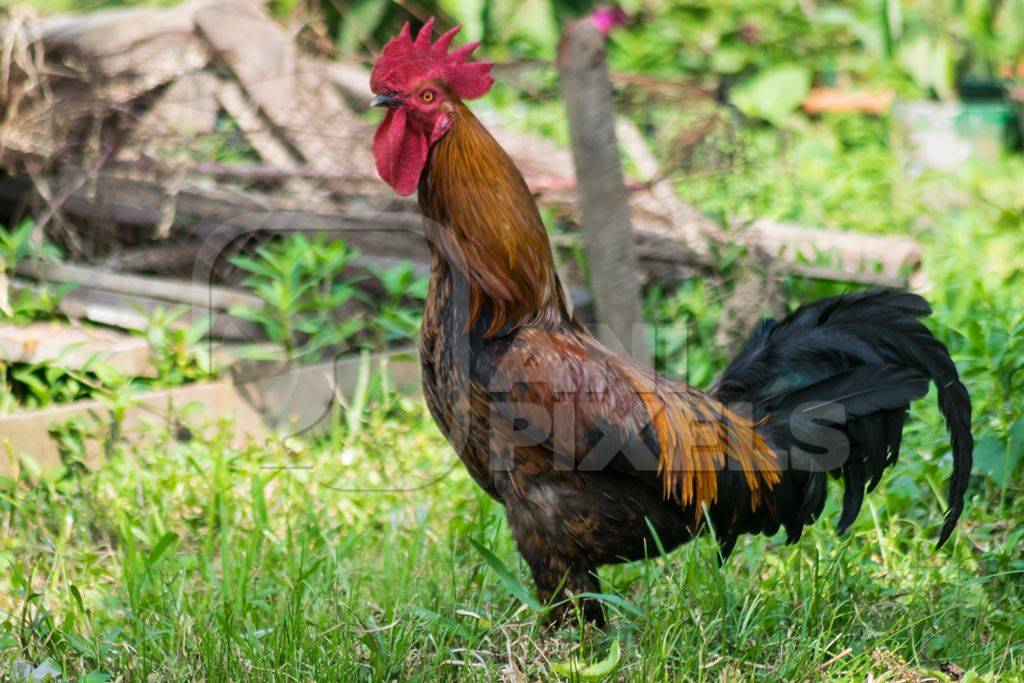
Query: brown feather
(489, 229)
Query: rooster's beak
(389, 100)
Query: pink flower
(606, 18)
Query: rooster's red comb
(404, 62)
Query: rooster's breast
(457, 403)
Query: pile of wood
(113, 137)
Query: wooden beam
(28, 433)
(75, 347)
(192, 293)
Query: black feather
(868, 353)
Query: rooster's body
(597, 459)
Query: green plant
(395, 318)
(226, 144)
(304, 295)
(30, 303)
(175, 348)
(682, 323)
(48, 383)
(15, 246)
(41, 302)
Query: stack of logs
(112, 132)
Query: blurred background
(209, 304)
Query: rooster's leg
(558, 568)
(558, 584)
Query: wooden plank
(182, 292)
(603, 198)
(129, 312)
(288, 399)
(28, 433)
(299, 399)
(75, 347)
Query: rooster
(597, 459)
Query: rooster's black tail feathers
(831, 385)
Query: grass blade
(507, 578)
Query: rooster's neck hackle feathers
(483, 222)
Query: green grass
(355, 558)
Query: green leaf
(990, 458)
(597, 671)
(624, 605)
(259, 502)
(8, 641)
(774, 93)
(77, 595)
(507, 578)
(1017, 438)
(160, 548)
(930, 62)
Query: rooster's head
(418, 82)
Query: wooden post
(603, 198)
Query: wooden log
(666, 261)
(293, 92)
(603, 198)
(129, 312)
(853, 252)
(191, 293)
(398, 234)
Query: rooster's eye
(427, 96)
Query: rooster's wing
(589, 408)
